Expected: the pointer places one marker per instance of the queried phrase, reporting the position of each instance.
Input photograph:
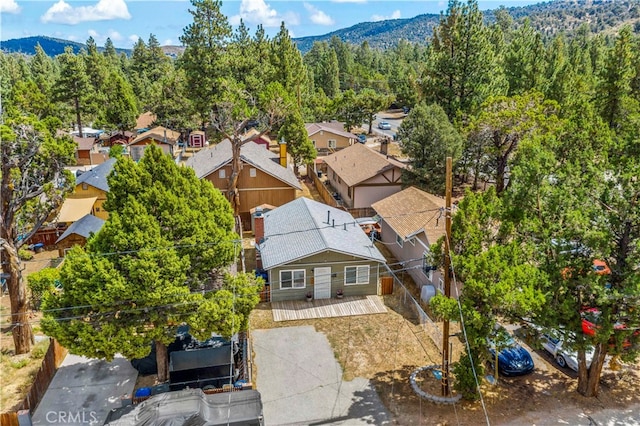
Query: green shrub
(41, 282)
(25, 254)
(40, 349)
(465, 380)
(19, 364)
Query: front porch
(290, 310)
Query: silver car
(564, 357)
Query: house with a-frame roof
(329, 136)
(78, 233)
(264, 178)
(308, 247)
(93, 184)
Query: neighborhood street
(301, 382)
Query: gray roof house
(97, 176)
(309, 247)
(93, 184)
(265, 178)
(78, 233)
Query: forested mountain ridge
(547, 18)
(51, 46)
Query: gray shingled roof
(336, 128)
(299, 229)
(209, 160)
(97, 177)
(83, 227)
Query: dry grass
(17, 371)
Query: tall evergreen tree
(205, 41)
(73, 85)
(427, 137)
(461, 72)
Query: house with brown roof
(361, 176)
(412, 221)
(265, 177)
(166, 139)
(330, 136)
(85, 147)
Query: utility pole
(447, 278)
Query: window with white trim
(252, 172)
(412, 241)
(399, 240)
(222, 174)
(292, 279)
(85, 187)
(331, 143)
(356, 275)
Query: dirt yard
(17, 371)
(386, 348)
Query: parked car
(591, 319)
(362, 138)
(384, 125)
(564, 357)
(513, 359)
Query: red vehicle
(590, 320)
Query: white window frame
(300, 283)
(412, 241)
(222, 174)
(362, 274)
(399, 240)
(85, 187)
(332, 143)
(252, 172)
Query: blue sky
(127, 20)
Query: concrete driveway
(301, 382)
(84, 390)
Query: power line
(464, 331)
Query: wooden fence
(50, 363)
(324, 192)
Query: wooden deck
(326, 308)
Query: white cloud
(114, 35)
(9, 6)
(317, 16)
(394, 15)
(256, 12)
(133, 38)
(169, 42)
(348, 1)
(104, 10)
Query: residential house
(330, 136)
(78, 233)
(165, 138)
(85, 147)
(262, 180)
(309, 247)
(93, 185)
(361, 176)
(117, 138)
(412, 221)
